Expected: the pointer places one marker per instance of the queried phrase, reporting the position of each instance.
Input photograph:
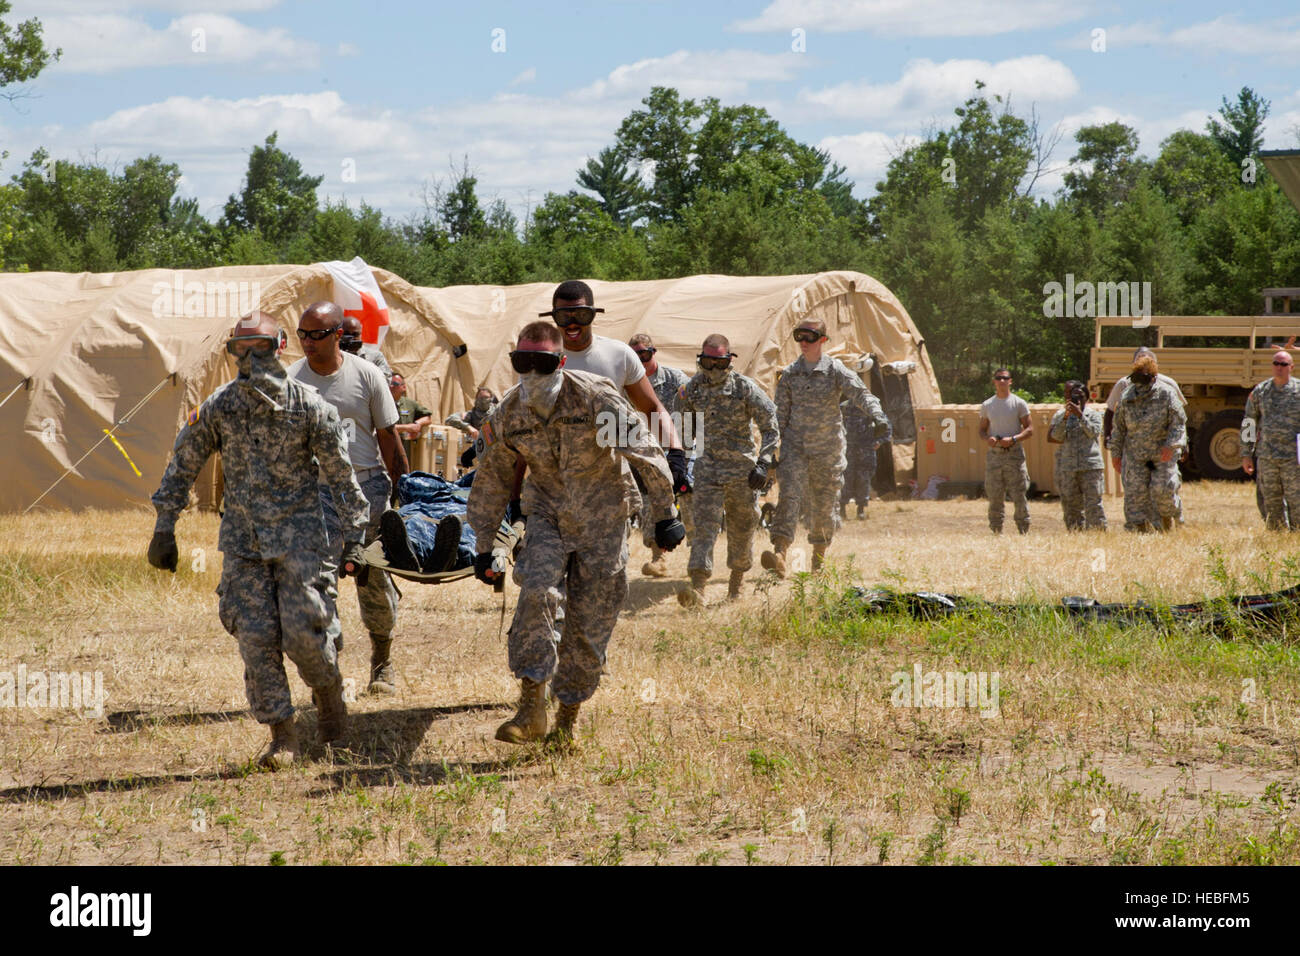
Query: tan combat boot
(733, 585)
(283, 751)
(383, 676)
(331, 713)
(774, 560)
(693, 596)
(561, 738)
(530, 722)
(656, 567)
(1168, 524)
(819, 556)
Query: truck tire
(1217, 453)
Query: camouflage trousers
(818, 479)
(278, 607)
(1150, 493)
(737, 500)
(1279, 484)
(378, 599)
(568, 606)
(1081, 491)
(1005, 471)
(857, 476)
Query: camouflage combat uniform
(667, 382)
(464, 421)
(808, 401)
(723, 466)
(376, 358)
(1273, 415)
(276, 597)
(1149, 417)
(1080, 469)
(575, 502)
(864, 432)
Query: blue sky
(382, 97)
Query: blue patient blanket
(425, 499)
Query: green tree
(277, 199)
(1241, 133)
(618, 186)
(22, 51)
(1110, 167)
(1192, 172)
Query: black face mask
(1141, 378)
(350, 343)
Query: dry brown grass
(761, 731)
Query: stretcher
(504, 548)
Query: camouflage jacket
(726, 412)
(866, 429)
(1079, 449)
(376, 358)
(574, 459)
(1149, 417)
(667, 383)
(808, 401)
(470, 419)
(273, 447)
(1272, 421)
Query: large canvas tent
(134, 352)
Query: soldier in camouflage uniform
(1268, 433)
(864, 432)
(728, 474)
(1149, 434)
(1079, 469)
(274, 435)
(350, 342)
(560, 423)
(666, 382)
(468, 422)
(808, 398)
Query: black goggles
(645, 355)
(317, 335)
(577, 315)
(241, 345)
(806, 335)
(544, 363)
(350, 343)
(714, 362)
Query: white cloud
(528, 76)
(913, 17)
(103, 43)
(28, 8)
(1272, 39)
(347, 49)
(926, 87)
(866, 156)
(696, 73)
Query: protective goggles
(317, 335)
(645, 355)
(543, 363)
(241, 345)
(807, 335)
(712, 363)
(577, 315)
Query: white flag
(357, 293)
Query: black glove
(758, 476)
(354, 561)
(677, 465)
(162, 551)
(669, 533)
(483, 568)
(467, 457)
(515, 511)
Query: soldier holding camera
(1080, 470)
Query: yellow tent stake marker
(113, 439)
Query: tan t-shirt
(360, 394)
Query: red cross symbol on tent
(371, 316)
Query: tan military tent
(134, 352)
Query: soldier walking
(1080, 469)
(1269, 432)
(1004, 424)
(864, 432)
(275, 437)
(576, 507)
(1149, 435)
(728, 473)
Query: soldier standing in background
(350, 342)
(277, 439)
(1150, 432)
(1004, 424)
(576, 507)
(359, 393)
(485, 401)
(808, 398)
(412, 417)
(666, 382)
(1080, 469)
(728, 474)
(1268, 433)
(864, 432)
